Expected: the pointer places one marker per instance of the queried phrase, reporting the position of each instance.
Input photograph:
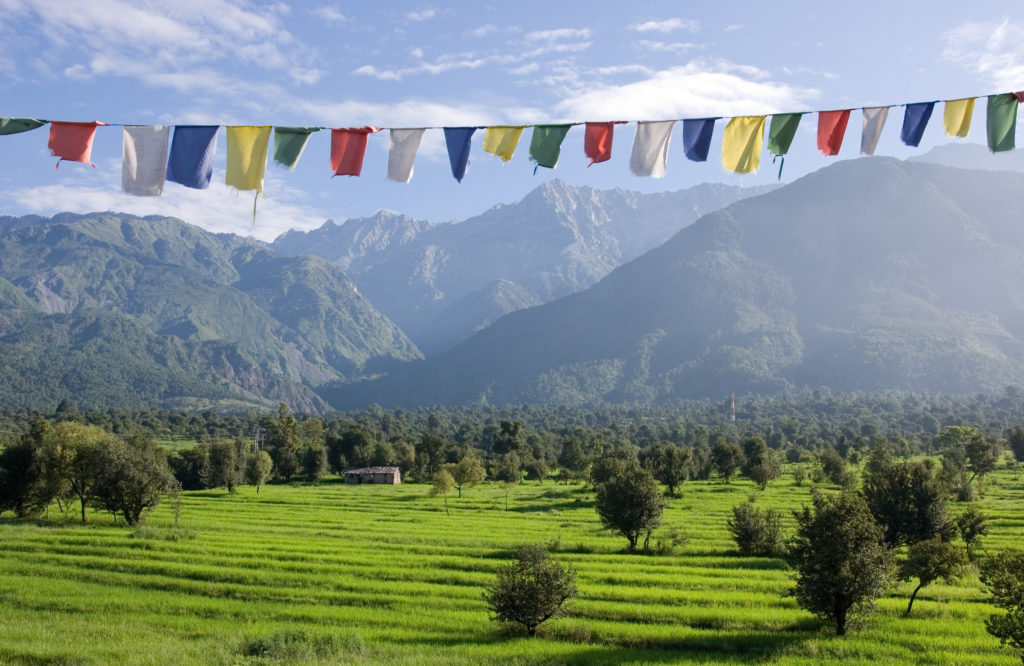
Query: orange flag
(597, 142)
(831, 128)
(72, 141)
(348, 147)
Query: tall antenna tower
(733, 415)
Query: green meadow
(331, 573)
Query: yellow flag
(501, 140)
(956, 119)
(741, 144)
(247, 156)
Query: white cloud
(992, 50)
(382, 74)
(668, 47)
(555, 35)
(484, 30)
(668, 25)
(421, 15)
(733, 27)
(698, 89)
(329, 14)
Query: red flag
(597, 142)
(831, 128)
(72, 141)
(1019, 96)
(348, 146)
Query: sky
(422, 64)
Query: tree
(192, 467)
(630, 503)
(572, 461)
(227, 463)
(971, 524)
(20, 479)
(531, 590)
(314, 462)
(507, 486)
(966, 455)
(613, 462)
(258, 468)
(1004, 576)
(841, 559)
(672, 465)
(1015, 438)
(133, 478)
(833, 465)
(907, 501)
(71, 449)
(537, 469)
(929, 561)
(443, 484)
(468, 471)
(761, 467)
(756, 532)
(282, 443)
(509, 438)
(727, 458)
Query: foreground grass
(338, 574)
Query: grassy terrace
(337, 573)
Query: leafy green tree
(314, 462)
(282, 443)
(133, 478)
(727, 458)
(227, 463)
(842, 561)
(760, 465)
(966, 456)
(1015, 439)
(430, 455)
(1004, 576)
(907, 501)
(509, 438)
(71, 451)
(799, 475)
(929, 561)
(509, 469)
(572, 461)
(613, 462)
(191, 467)
(443, 484)
(468, 471)
(21, 476)
(630, 503)
(258, 468)
(672, 465)
(833, 465)
(531, 590)
(537, 468)
(972, 525)
(756, 532)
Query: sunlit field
(334, 573)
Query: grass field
(379, 574)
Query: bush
(756, 532)
(531, 590)
(1004, 576)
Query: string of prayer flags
(597, 141)
(780, 136)
(546, 144)
(18, 125)
(915, 119)
(348, 148)
(874, 121)
(1001, 121)
(501, 140)
(742, 142)
(650, 148)
(697, 138)
(956, 116)
(247, 156)
(404, 143)
(144, 159)
(831, 129)
(72, 142)
(191, 158)
(458, 140)
(289, 142)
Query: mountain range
(870, 275)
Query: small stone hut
(389, 475)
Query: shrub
(756, 532)
(531, 590)
(1004, 576)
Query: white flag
(650, 148)
(404, 144)
(874, 120)
(144, 159)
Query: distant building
(389, 475)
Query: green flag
(1002, 122)
(782, 131)
(16, 125)
(546, 144)
(289, 142)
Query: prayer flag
(597, 141)
(650, 148)
(831, 129)
(956, 117)
(402, 152)
(247, 156)
(1001, 122)
(915, 119)
(874, 121)
(16, 125)
(501, 140)
(697, 138)
(458, 141)
(72, 141)
(781, 132)
(348, 147)
(546, 144)
(191, 159)
(741, 144)
(289, 142)
(144, 159)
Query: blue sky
(417, 64)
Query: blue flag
(457, 139)
(915, 118)
(190, 162)
(697, 138)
